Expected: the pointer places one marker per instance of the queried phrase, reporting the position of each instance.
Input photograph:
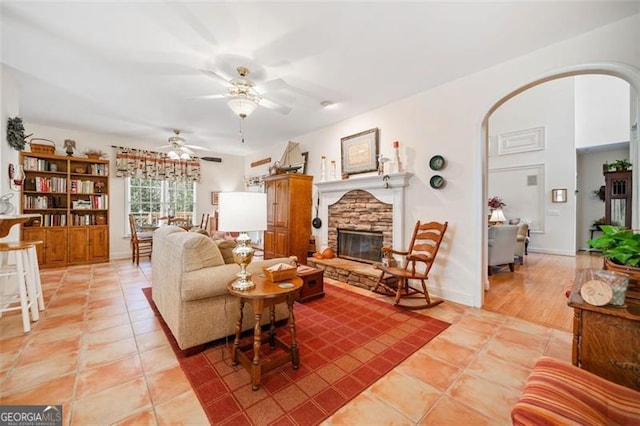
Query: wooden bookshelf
(71, 195)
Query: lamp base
(243, 255)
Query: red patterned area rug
(347, 342)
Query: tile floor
(99, 351)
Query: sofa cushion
(198, 251)
(226, 248)
(168, 229)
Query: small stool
(28, 285)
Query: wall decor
(437, 162)
(559, 195)
(521, 141)
(360, 152)
(214, 198)
(436, 182)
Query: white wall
(225, 176)
(9, 107)
(447, 120)
(590, 178)
(550, 105)
(602, 110)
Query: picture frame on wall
(214, 198)
(559, 195)
(360, 152)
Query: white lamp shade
(497, 216)
(242, 106)
(242, 211)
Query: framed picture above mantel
(360, 152)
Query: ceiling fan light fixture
(242, 106)
(185, 156)
(173, 155)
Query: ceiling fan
(180, 150)
(243, 96)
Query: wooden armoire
(617, 196)
(288, 216)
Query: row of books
(84, 219)
(41, 165)
(46, 184)
(85, 186)
(54, 219)
(99, 169)
(44, 202)
(93, 202)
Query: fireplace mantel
(394, 180)
(388, 190)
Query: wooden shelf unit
(72, 196)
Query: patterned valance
(155, 165)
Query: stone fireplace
(370, 203)
(370, 212)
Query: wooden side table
(606, 339)
(266, 294)
(313, 283)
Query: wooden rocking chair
(423, 248)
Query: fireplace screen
(362, 246)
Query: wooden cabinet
(606, 339)
(617, 198)
(71, 195)
(53, 250)
(288, 216)
(88, 244)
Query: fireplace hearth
(361, 246)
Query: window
(150, 199)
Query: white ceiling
(136, 69)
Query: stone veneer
(361, 211)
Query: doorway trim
(626, 72)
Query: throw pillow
(226, 248)
(198, 251)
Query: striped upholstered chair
(558, 393)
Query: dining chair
(418, 260)
(141, 242)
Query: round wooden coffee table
(266, 294)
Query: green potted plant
(620, 165)
(621, 250)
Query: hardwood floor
(535, 291)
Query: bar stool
(23, 271)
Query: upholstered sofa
(558, 393)
(189, 280)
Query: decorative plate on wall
(436, 181)
(437, 162)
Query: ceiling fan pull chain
(241, 133)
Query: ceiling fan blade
(271, 86)
(212, 159)
(196, 147)
(222, 80)
(187, 150)
(282, 109)
(220, 96)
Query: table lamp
(242, 212)
(497, 216)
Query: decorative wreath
(15, 133)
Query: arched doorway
(623, 71)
